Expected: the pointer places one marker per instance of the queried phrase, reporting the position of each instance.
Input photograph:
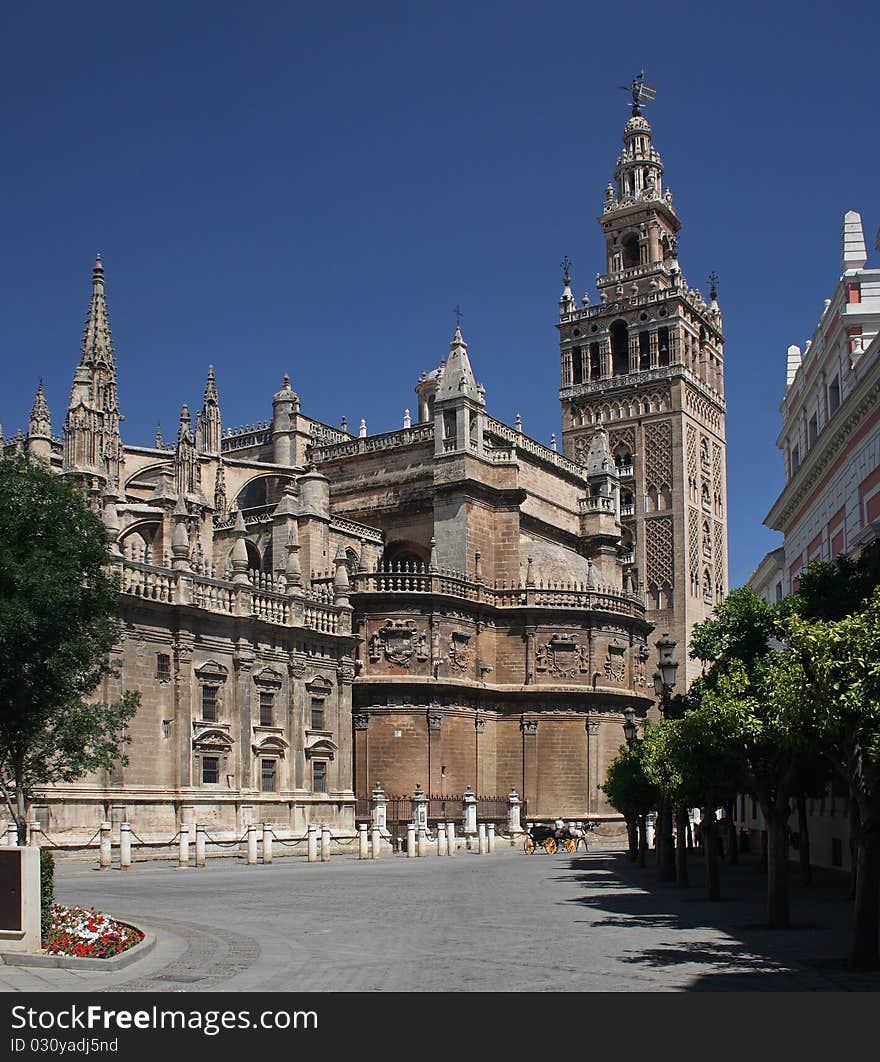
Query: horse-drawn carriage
(552, 839)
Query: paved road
(472, 923)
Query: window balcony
(625, 471)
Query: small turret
(39, 436)
(209, 428)
(459, 403)
(285, 416)
(180, 536)
(854, 254)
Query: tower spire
(97, 347)
(92, 442)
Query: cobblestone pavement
(471, 923)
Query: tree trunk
(643, 841)
(763, 863)
(709, 833)
(865, 945)
(690, 835)
(804, 841)
(632, 836)
(682, 823)
(776, 818)
(854, 829)
(20, 811)
(732, 847)
(665, 850)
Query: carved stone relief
(398, 641)
(563, 657)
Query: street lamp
(630, 730)
(664, 682)
(665, 677)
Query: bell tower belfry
(647, 363)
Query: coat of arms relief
(398, 642)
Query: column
(529, 729)
(593, 781)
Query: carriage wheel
(570, 845)
(550, 846)
(528, 846)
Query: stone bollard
(481, 839)
(450, 838)
(421, 841)
(11, 835)
(490, 837)
(34, 834)
(125, 846)
(379, 808)
(105, 849)
(363, 841)
(313, 843)
(411, 840)
(375, 842)
(442, 847)
(325, 844)
(201, 844)
(252, 844)
(267, 843)
(183, 847)
(469, 814)
(514, 808)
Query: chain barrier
(67, 847)
(289, 843)
(224, 844)
(339, 840)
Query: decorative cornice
(823, 454)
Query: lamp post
(638, 832)
(664, 682)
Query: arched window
(652, 503)
(707, 584)
(619, 348)
(662, 346)
(665, 498)
(631, 253)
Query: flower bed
(87, 934)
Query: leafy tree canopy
(627, 787)
(58, 623)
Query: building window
(210, 770)
(317, 714)
(267, 708)
(163, 667)
(833, 396)
(209, 704)
(166, 728)
(269, 776)
(319, 776)
(795, 459)
(577, 366)
(813, 429)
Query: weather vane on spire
(641, 92)
(713, 285)
(565, 266)
(458, 316)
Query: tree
(832, 590)
(838, 698)
(749, 681)
(58, 624)
(694, 761)
(631, 792)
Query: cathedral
(308, 613)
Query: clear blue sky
(287, 187)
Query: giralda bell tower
(647, 361)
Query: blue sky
(288, 187)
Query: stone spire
(854, 254)
(566, 301)
(91, 430)
(209, 427)
(40, 423)
(239, 555)
(180, 536)
(97, 348)
(185, 455)
(457, 378)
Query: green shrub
(47, 889)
